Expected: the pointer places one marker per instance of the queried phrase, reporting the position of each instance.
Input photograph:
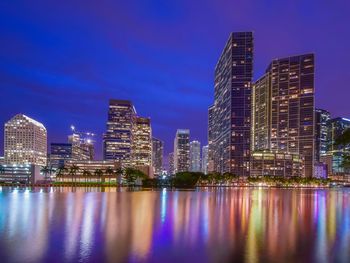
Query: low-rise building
(21, 173)
(270, 163)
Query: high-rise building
(157, 155)
(229, 125)
(171, 163)
(195, 156)
(321, 132)
(283, 109)
(142, 142)
(117, 141)
(336, 127)
(205, 158)
(82, 147)
(25, 141)
(60, 154)
(182, 151)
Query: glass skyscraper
(321, 132)
(157, 155)
(182, 151)
(229, 117)
(195, 156)
(283, 109)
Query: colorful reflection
(213, 225)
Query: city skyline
(44, 81)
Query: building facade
(268, 163)
(283, 109)
(142, 142)
(195, 156)
(229, 125)
(118, 139)
(82, 147)
(205, 159)
(60, 153)
(157, 155)
(321, 132)
(182, 151)
(25, 141)
(336, 127)
(171, 163)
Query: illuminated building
(195, 156)
(211, 114)
(229, 125)
(60, 154)
(171, 163)
(82, 146)
(25, 141)
(21, 173)
(182, 151)
(117, 141)
(276, 164)
(205, 159)
(142, 142)
(321, 132)
(336, 127)
(283, 109)
(157, 155)
(91, 167)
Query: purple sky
(61, 62)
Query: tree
(73, 171)
(132, 175)
(186, 179)
(45, 170)
(109, 172)
(86, 174)
(98, 173)
(61, 171)
(118, 174)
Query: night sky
(61, 62)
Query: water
(211, 225)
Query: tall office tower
(195, 156)
(230, 124)
(182, 151)
(82, 146)
(142, 142)
(171, 163)
(25, 141)
(205, 151)
(336, 127)
(157, 155)
(117, 141)
(211, 136)
(321, 132)
(60, 154)
(283, 109)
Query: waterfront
(208, 225)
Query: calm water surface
(213, 225)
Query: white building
(205, 153)
(25, 141)
(195, 156)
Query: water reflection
(214, 225)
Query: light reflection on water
(213, 225)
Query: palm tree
(2, 169)
(73, 171)
(109, 172)
(86, 174)
(98, 173)
(119, 174)
(45, 170)
(60, 171)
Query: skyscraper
(182, 151)
(142, 142)
(60, 154)
(195, 156)
(25, 141)
(171, 163)
(117, 141)
(283, 109)
(336, 127)
(205, 159)
(321, 132)
(229, 125)
(157, 155)
(82, 146)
